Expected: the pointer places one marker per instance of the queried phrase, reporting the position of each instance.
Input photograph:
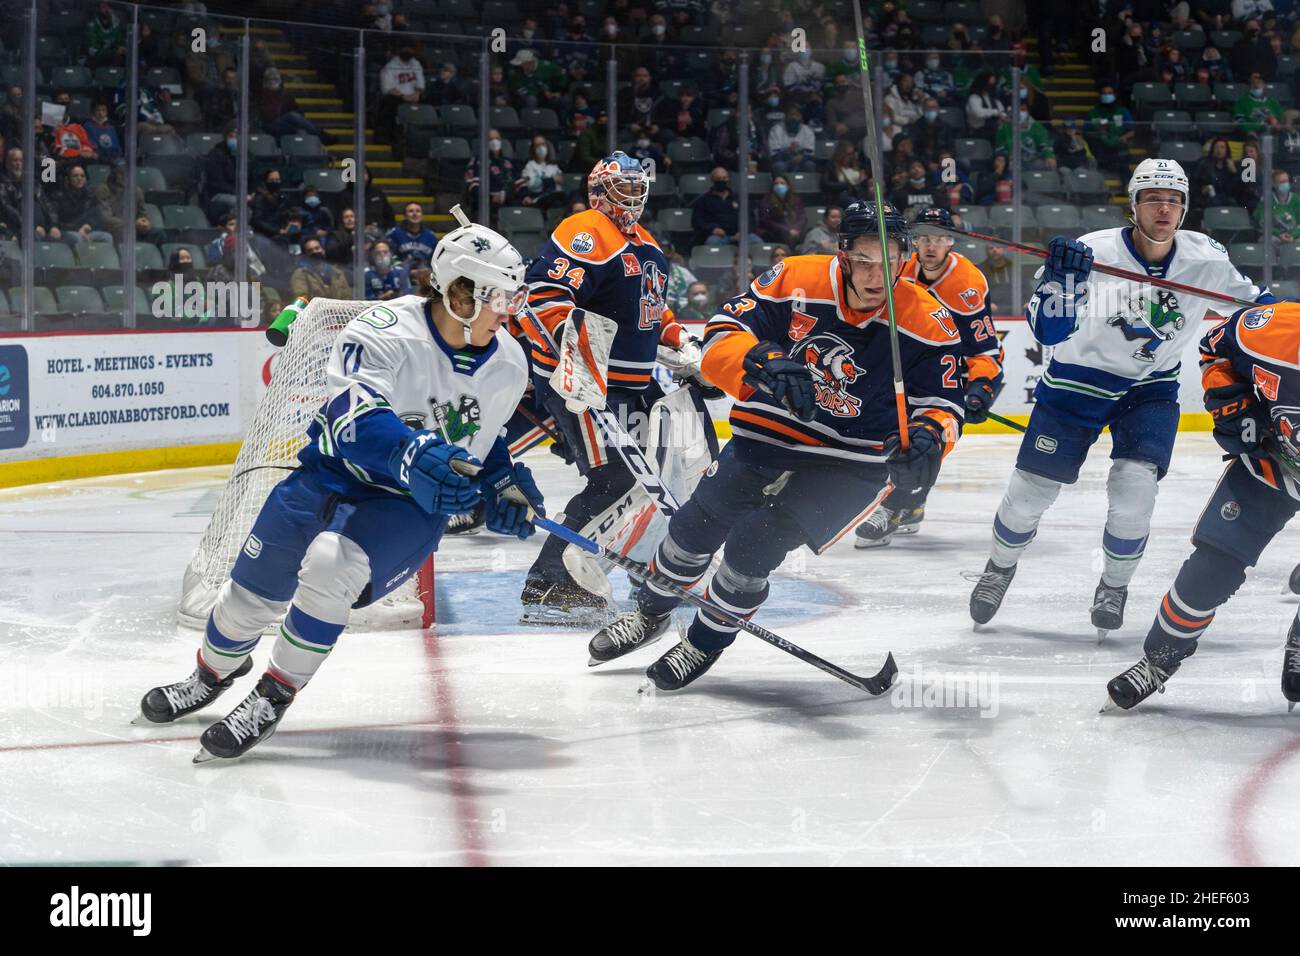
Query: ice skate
(164, 704)
(1108, 609)
(990, 588)
(1137, 684)
(878, 530)
(562, 604)
(631, 631)
(470, 522)
(680, 666)
(909, 520)
(249, 724)
(1291, 668)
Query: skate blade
(1101, 634)
(866, 544)
(548, 617)
(140, 720)
(204, 756)
(1290, 706)
(1109, 706)
(647, 688)
(908, 529)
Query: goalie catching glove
(582, 376)
(508, 492)
(790, 382)
(423, 466)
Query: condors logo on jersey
(830, 359)
(653, 283)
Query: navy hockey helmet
(930, 216)
(860, 219)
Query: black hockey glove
(1240, 423)
(917, 468)
(790, 382)
(980, 394)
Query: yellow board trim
(1187, 422)
(41, 470)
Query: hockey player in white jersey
(416, 384)
(1118, 349)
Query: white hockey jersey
(391, 359)
(1131, 335)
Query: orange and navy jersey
(799, 304)
(1260, 346)
(964, 290)
(589, 264)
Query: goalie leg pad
(582, 377)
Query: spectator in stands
(724, 145)
(1215, 66)
(682, 116)
(904, 100)
(289, 239)
(698, 308)
(846, 116)
(227, 224)
(995, 186)
(1286, 210)
(384, 278)
(822, 239)
(935, 81)
(379, 211)
(930, 135)
(340, 243)
(533, 81)
(1257, 112)
(105, 38)
(846, 64)
(984, 111)
(1035, 142)
(498, 92)
(11, 201)
(997, 266)
(779, 252)
(279, 112)
(75, 212)
(898, 161)
(319, 221)
(539, 183)
(1109, 131)
(803, 76)
(648, 151)
(316, 277)
(11, 114)
(1251, 54)
(412, 242)
(502, 178)
(224, 270)
(716, 215)
(443, 89)
(589, 147)
(110, 202)
(145, 230)
(1034, 100)
(780, 214)
(102, 133)
(580, 46)
(219, 173)
(220, 102)
(680, 278)
(1252, 193)
(844, 178)
(1216, 179)
(653, 50)
(268, 206)
(400, 81)
(916, 189)
(790, 145)
(69, 140)
(1071, 148)
(636, 104)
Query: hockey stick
(1105, 269)
(551, 433)
(1006, 421)
(877, 173)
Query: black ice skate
(1138, 683)
(164, 704)
(909, 520)
(249, 724)
(990, 588)
(878, 530)
(631, 631)
(562, 604)
(1108, 609)
(683, 664)
(468, 523)
(1291, 668)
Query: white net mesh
(269, 451)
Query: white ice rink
(487, 743)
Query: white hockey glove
(684, 360)
(582, 376)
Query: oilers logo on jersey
(1256, 318)
(1152, 321)
(830, 359)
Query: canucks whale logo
(830, 359)
(1150, 321)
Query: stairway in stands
(323, 106)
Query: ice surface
(488, 742)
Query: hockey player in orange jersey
(956, 282)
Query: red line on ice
(1244, 803)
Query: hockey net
(267, 455)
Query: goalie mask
(487, 260)
(618, 186)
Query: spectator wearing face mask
(501, 175)
(539, 182)
(846, 117)
(316, 277)
(916, 189)
(1286, 209)
(716, 214)
(1035, 142)
(290, 238)
(698, 307)
(1109, 130)
(384, 278)
(648, 151)
(319, 221)
(412, 243)
(904, 101)
(930, 135)
(781, 214)
(268, 207)
(790, 145)
(984, 111)
(1257, 112)
(219, 179)
(933, 80)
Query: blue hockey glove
(1240, 422)
(918, 467)
(980, 394)
(1067, 259)
(501, 491)
(423, 466)
(790, 382)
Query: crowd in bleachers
(1196, 81)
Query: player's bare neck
(930, 275)
(1150, 249)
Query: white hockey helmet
(1158, 174)
(488, 260)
